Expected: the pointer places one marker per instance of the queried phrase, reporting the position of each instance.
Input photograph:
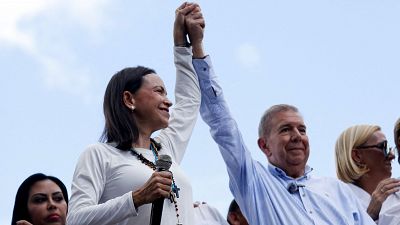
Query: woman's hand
(385, 188)
(179, 24)
(158, 186)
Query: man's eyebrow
(283, 125)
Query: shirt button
(304, 195)
(204, 69)
(310, 212)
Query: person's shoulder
(328, 181)
(97, 146)
(337, 190)
(99, 149)
(206, 214)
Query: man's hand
(194, 23)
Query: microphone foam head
(164, 162)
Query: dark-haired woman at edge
(115, 182)
(40, 200)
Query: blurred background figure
(397, 137)
(235, 216)
(205, 214)
(391, 215)
(40, 200)
(363, 160)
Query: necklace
(144, 160)
(174, 188)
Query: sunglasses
(383, 146)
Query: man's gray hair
(264, 128)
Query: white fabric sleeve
(87, 187)
(390, 216)
(186, 109)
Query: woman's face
(151, 104)
(46, 204)
(374, 159)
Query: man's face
(237, 218)
(287, 145)
(398, 143)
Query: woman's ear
(129, 100)
(357, 157)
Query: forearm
(198, 51)
(373, 209)
(215, 112)
(111, 212)
(187, 103)
(214, 109)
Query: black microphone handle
(157, 207)
(156, 211)
(162, 164)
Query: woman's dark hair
(120, 126)
(20, 211)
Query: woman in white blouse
(116, 181)
(363, 160)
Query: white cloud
(248, 55)
(11, 14)
(57, 77)
(58, 73)
(89, 13)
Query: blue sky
(338, 61)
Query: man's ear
(262, 144)
(233, 218)
(398, 141)
(129, 100)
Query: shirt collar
(276, 171)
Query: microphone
(293, 187)
(162, 164)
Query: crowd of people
(117, 180)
